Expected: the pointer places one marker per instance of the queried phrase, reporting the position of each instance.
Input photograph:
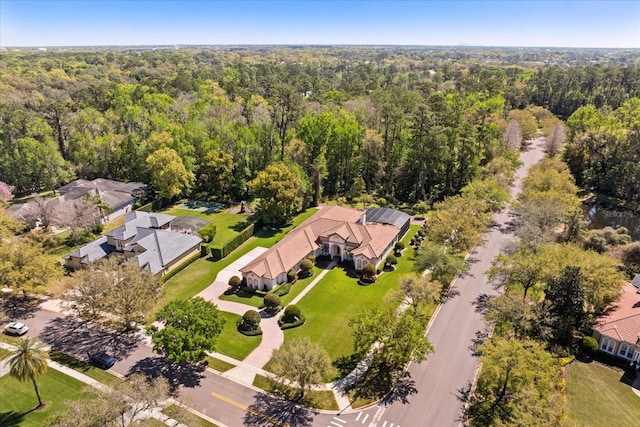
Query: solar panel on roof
(387, 216)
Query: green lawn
(18, 399)
(88, 369)
(322, 399)
(597, 397)
(4, 353)
(231, 342)
(217, 364)
(203, 272)
(178, 413)
(332, 302)
(256, 300)
(228, 225)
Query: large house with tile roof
(145, 237)
(349, 234)
(618, 329)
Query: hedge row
(284, 289)
(253, 333)
(243, 236)
(295, 324)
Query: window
(626, 351)
(607, 345)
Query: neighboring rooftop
(136, 219)
(621, 320)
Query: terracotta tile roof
(370, 240)
(621, 320)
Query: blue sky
(475, 23)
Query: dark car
(102, 360)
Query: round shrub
(312, 258)
(291, 313)
(306, 267)
(272, 302)
(589, 345)
(399, 246)
(391, 260)
(251, 320)
(369, 270)
(235, 281)
(291, 276)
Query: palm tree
(28, 361)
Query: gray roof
(136, 219)
(162, 247)
(92, 251)
(388, 216)
(116, 194)
(636, 282)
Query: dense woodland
(414, 124)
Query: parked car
(102, 360)
(16, 328)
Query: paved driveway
(233, 269)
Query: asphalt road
(444, 380)
(432, 395)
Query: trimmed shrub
(306, 267)
(208, 233)
(291, 276)
(250, 320)
(312, 258)
(391, 260)
(235, 281)
(284, 289)
(589, 345)
(368, 270)
(285, 325)
(291, 313)
(272, 302)
(399, 246)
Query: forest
(403, 125)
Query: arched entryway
(335, 251)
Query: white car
(16, 328)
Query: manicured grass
(89, 370)
(256, 300)
(359, 402)
(322, 399)
(18, 399)
(217, 364)
(228, 225)
(203, 272)
(337, 298)
(597, 397)
(178, 413)
(231, 342)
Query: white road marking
(340, 420)
(335, 423)
(359, 415)
(384, 424)
(364, 420)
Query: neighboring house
(145, 237)
(350, 234)
(119, 196)
(618, 329)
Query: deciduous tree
(280, 193)
(303, 363)
(191, 328)
(168, 173)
